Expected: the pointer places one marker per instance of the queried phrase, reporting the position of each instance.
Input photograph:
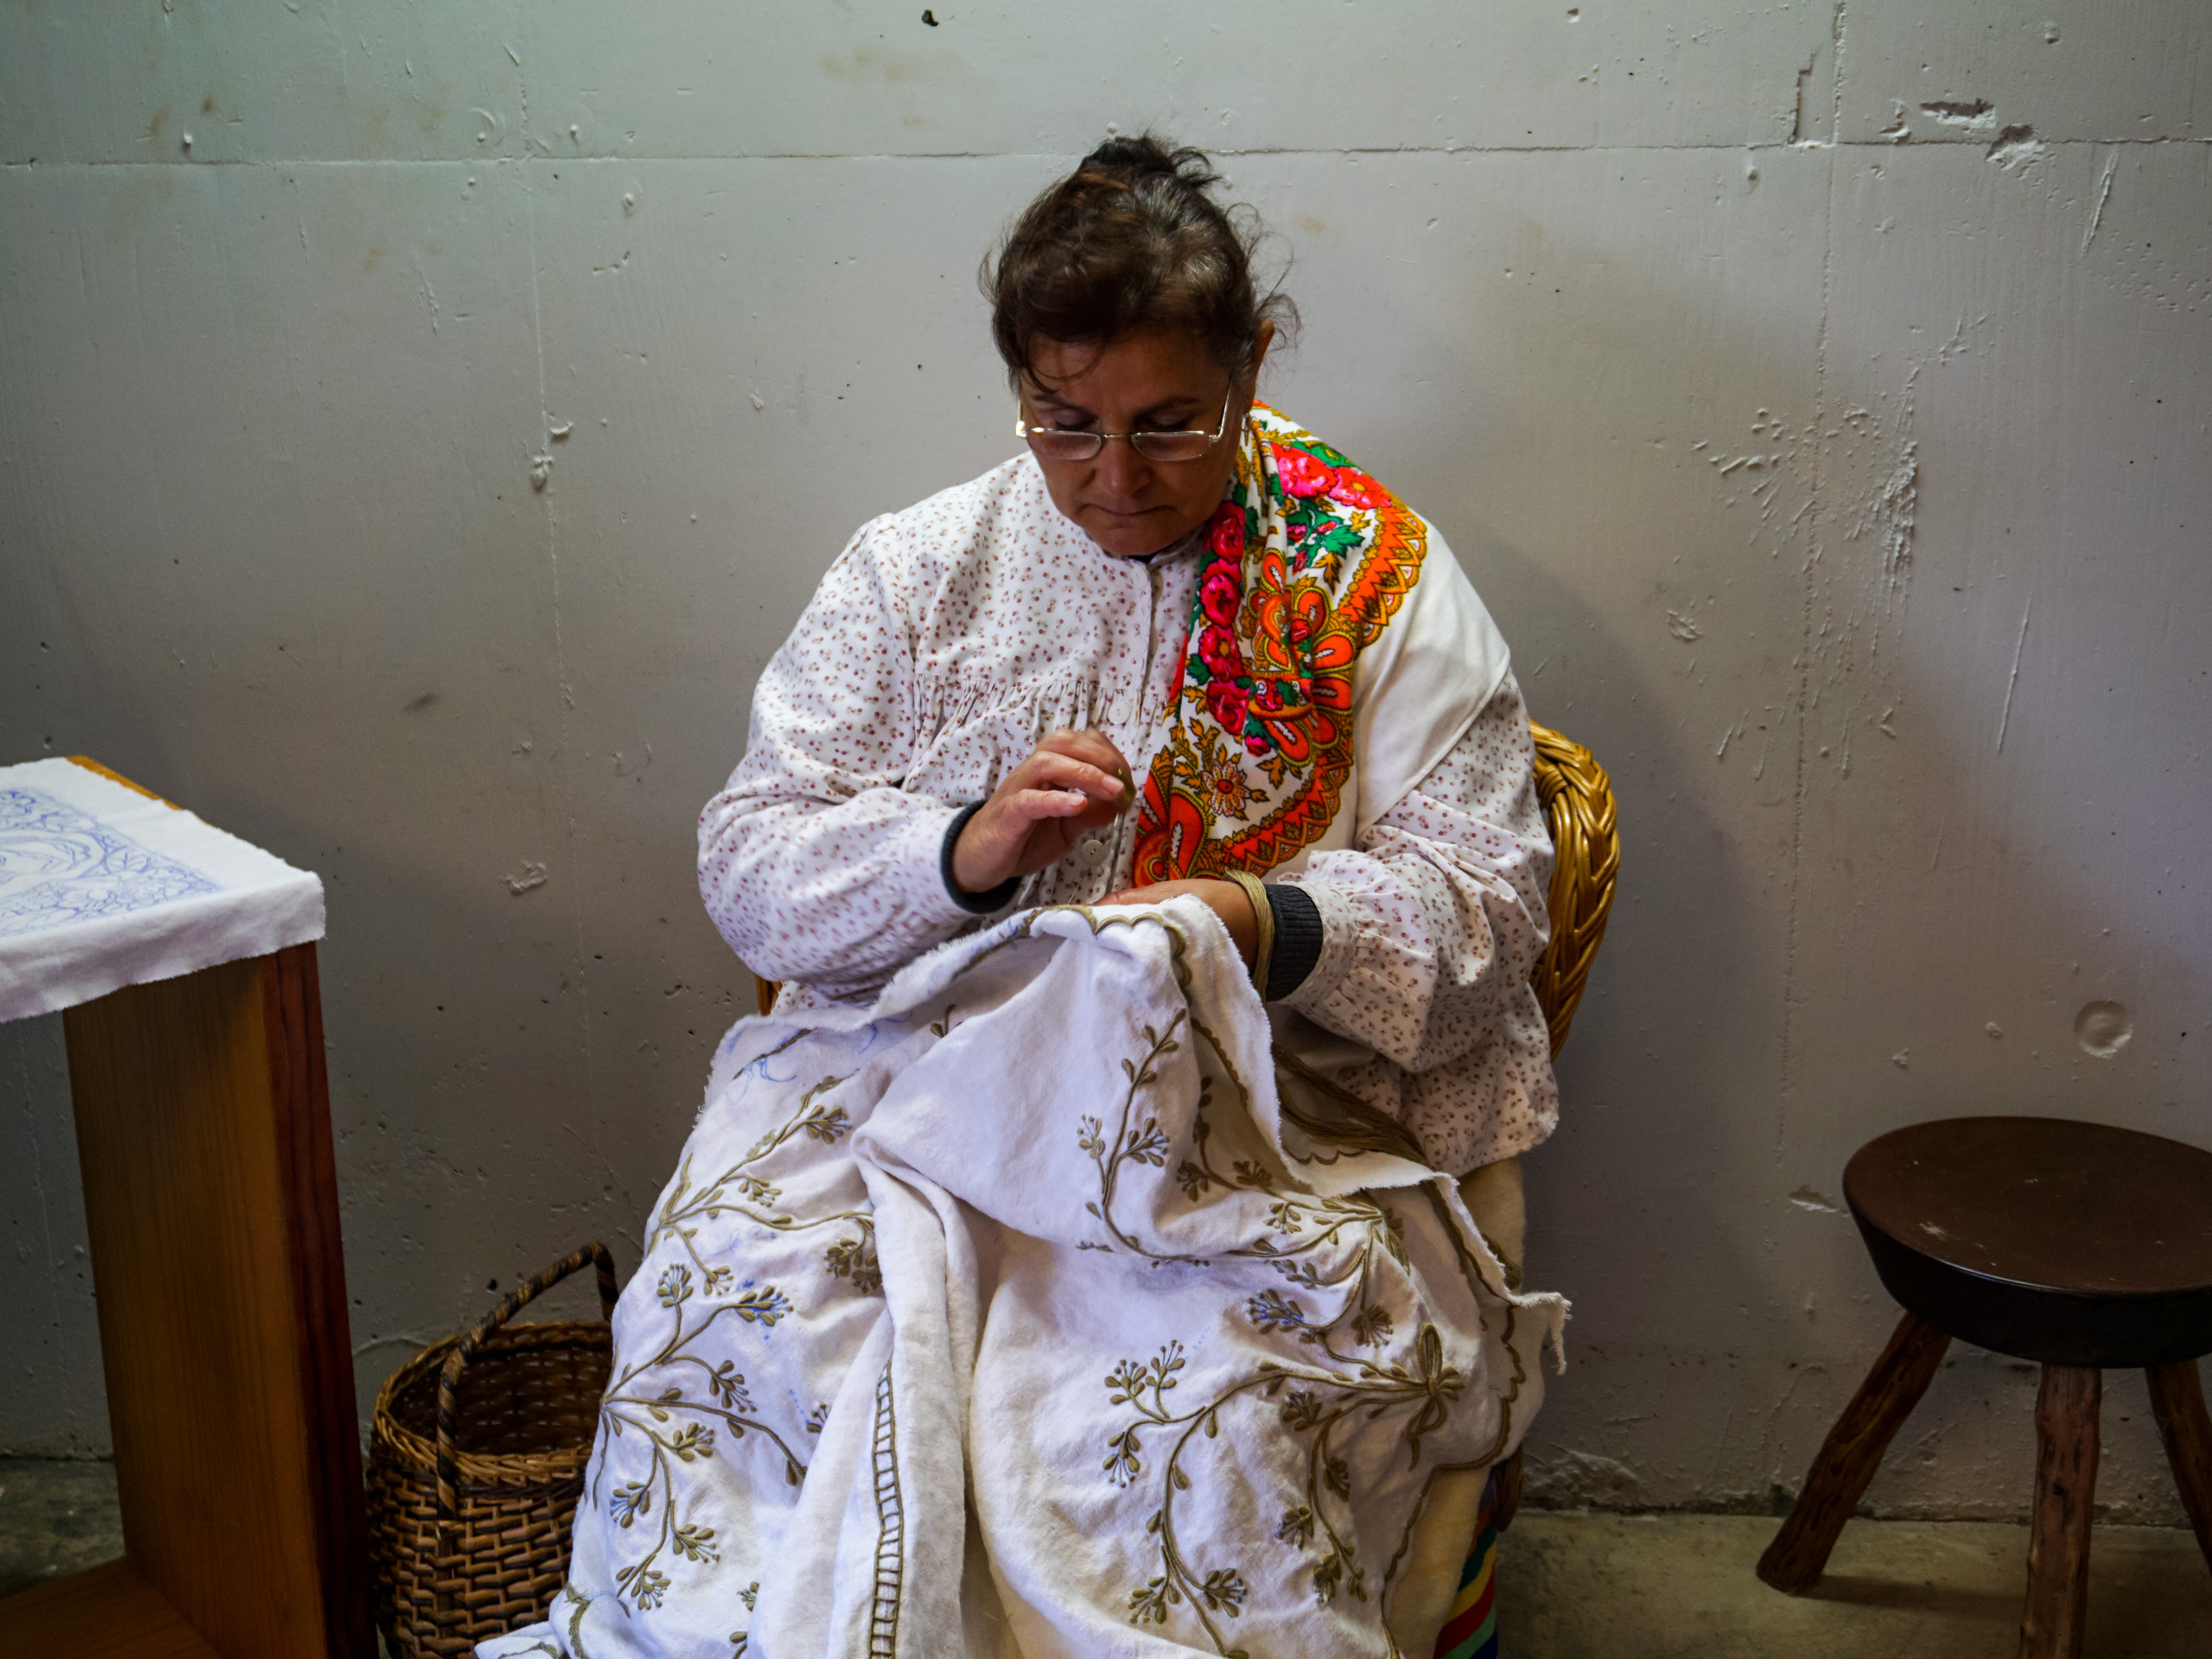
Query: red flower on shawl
(1225, 538)
(1357, 490)
(1217, 650)
(1301, 473)
(1226, 701)
(1219, 593)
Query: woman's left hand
(1225, 899)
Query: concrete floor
(1584, 1586)
(54, 1518)
(1612, 1586)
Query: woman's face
(1152, 379)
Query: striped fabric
(1470, 1628)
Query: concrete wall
(418, 424)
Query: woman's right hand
(1071, 782)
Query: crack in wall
(553, 431)
(1813, 528)
(2104, 196)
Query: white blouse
(950, 638)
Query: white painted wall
(1832, 451)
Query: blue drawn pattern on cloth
(60, 866)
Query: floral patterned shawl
(1308, 558)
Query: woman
(1176, 646)
(1176, 577)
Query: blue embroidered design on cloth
(59, 865)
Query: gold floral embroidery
(678, 1429)
(1330, 1247)
(1423, 1393)
(740, 1189)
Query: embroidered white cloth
(950, 637)
(102, 887)
(1037, 1227)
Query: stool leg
(2177, 1399)
(2066, 1489)
(1850, 1454)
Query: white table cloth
(102, 887)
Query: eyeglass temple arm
(1022, 428)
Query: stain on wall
(414, 472)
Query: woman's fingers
(1048, 803)
(1073, 781)
(1094, 748)
(1225, 899)
(1047, 767)
(1152, 895)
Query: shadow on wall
(1651, 1084)
(1798, 961)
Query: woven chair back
(1578, 801)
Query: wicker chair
(1578, 802)
(1578, 799)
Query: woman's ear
(1260, 344)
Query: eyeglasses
(1060, 443)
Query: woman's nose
(1122, 469)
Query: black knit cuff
(976, 904)
(1298, 938)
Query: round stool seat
(2064, 1243)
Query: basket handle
(449, 1379)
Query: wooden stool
(2071, 1245)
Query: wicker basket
(475, 1464)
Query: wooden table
(203, 1129)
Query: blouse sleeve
(1433, 922)
(814, 862)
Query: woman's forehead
(1142, 369)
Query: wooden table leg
(203, 1131)
(1852, 1452)
(2178, 1398)
(2066, 1489)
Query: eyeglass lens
(1152, 446)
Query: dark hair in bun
(1133, 235)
